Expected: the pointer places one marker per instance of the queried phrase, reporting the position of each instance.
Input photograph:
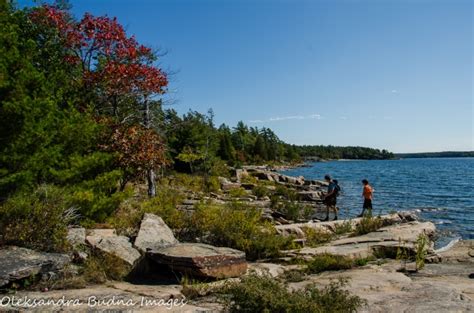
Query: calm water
(441, 189)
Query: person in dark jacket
(330, 199)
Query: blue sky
(385, 74)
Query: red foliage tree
(139, 150)
(108, 56)
(118, 68)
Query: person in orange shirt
(367, 194)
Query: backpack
(337, 190)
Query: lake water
(440, 189)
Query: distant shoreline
(444, 154)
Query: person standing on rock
(330, 199)
(367, 193)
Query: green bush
(367, 225)
(212, 184)
(285, 193)
(293, 276)
(264, 294)
(328, 262)
(316, 237)
(249, 179)
(128, 216)
(193, 183)
(260, 191)
(421, 251)
(236, 226)
(293, 210)
(36, 220)
(237, 192)
(97, 199)
(364, 261)
(343, 228)
(100, 267)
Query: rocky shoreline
(386, 275)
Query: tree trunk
(150, 173)
(151, 183)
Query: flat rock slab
(391, 291)
(384, 241)
(119, 246)
(296, 229)
(461, 251)
(154, 234)
(407, 232)
(17, 263)
(202, 260)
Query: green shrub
(236, 226)
(128, 216)
(100, 267)
(264, 294)
(237, 192)
(249, 179)
(367, 225)
(363, 261)
(333, 298)
(260, 191)
(193, 183)
(293, 276)
(316, 237)
(285, 193)
(343, 228)
(212, 184)
(36, 220)
(421, 251)
(97, 203)
(328, 262)
(293, 210)
(219, 168)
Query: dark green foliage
(36, 220)
(444, 154)
(226, 150)
(49, 134)
(333, 152)
(265, 294)
(260, 191)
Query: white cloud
(394, 91)
(343, 117)
(285, 118)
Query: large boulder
(309, 195)
(154, 234)
(17, 263)
(106, 241)
(201, 260)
